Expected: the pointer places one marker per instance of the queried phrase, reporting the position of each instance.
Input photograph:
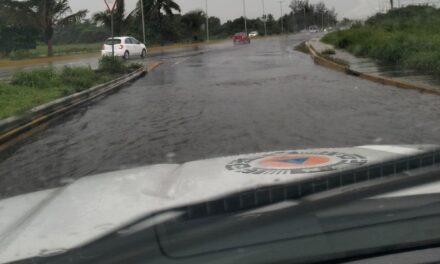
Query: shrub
(408, 36)
(17, 37)
(32, 88)
(329, 52)
(135, 66)
(424, 60)
(78, 78)
(41, 78)
(112, 65)
(21, 54)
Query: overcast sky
(230, 9)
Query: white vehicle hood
(56, 220)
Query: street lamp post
(143, 21)
(281, 10)
(264, 18)
(113, 36)
(111, 7)
(305, 22)
(245, 18)
(207, 21)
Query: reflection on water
(398, 72)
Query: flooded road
(231, 100)
(92, 59)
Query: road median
(20, 126)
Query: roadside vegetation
(329, 52)
(28, 89)
(302, 48)
(35, 28)
(62, 49)
(408, 36)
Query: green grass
(32, 88)
(40, 78)
(65, 49)
(407, 36)
(15, 99)
(329, 52)
(72, 48)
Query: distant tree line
(36, 20)
(24, 23)
(304, 15)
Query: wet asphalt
(92, 60)
(224, 100)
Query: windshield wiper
(323, 216)
(345, 185)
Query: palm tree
(166, 6)
(155, 9)
(43, 15)
(193, 21)
(120, 22)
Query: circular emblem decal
(295, 162)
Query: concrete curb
(16, 127)
(318, 59)
(154, 66)
(325, 62)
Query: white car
(313, 29)
(253, 34)
(124, 47)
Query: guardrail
(13, 127)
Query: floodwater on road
(92, 59)
(231, 100)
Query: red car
(241, 38)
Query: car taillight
(121, 46)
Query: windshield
(113, 112)
(112, 41)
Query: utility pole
(245, 18)
(281, 18)
(264, 18)
(328, 20)
(143, 20)
(305, 22)
(111, 7)
(113, 37)
(207, 21)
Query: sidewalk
(369, 66)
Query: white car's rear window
(112, 41)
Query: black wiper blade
(328, 186)
(368, 189)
